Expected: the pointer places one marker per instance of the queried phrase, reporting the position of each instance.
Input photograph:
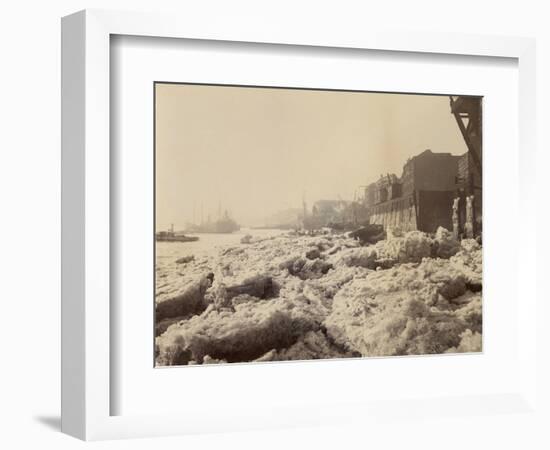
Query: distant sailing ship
(225, 224)
(172, 236)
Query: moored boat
(224, 224)
(172, 236)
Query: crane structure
(467, 112)
(467, 213)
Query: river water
(207, 245)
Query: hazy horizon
(258, 151)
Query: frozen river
(208, 243)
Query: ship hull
(178, 239)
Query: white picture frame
(86, 222)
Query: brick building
(421, 199)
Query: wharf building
(425, 196)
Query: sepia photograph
(298, 224)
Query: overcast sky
(257, 151)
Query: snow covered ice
(297, 297)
